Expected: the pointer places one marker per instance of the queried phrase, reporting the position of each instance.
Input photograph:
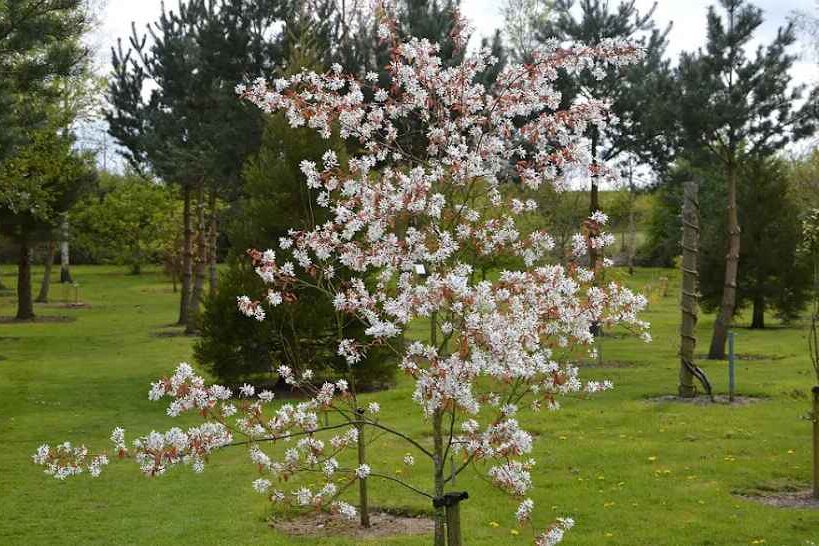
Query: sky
(687, 17)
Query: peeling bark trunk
(25, 304)
(690, 282)
(42, 297)
(65, 255)
(187, 258)
(729, 290)
(192, 326)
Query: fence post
(451, 502)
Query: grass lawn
(629, 470)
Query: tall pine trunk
(42, 297)
(187, 258)
(689, 296)
(729, 289)
(25, 304)
(65, 253)
(212, 242)
(192, 325)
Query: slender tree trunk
(758, 319)
(632, 224)
(690, 282)
(2, 286)
(25, 304)
(363, 497)
(192, 325)
(438, 461)
(65, 256)
(187, 258)
(213, 240)
(729, 289)
(42, 297)
(815, 392)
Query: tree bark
(729, 289)
(690, 283)
(213, 240)
(192, 326)
(2, 286)
(363, 497)
(438, 461)
(65, 255)
(632, 224)
(187, 258)
(42, 297)
(758, 318)
(25, 304)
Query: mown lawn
(629, 470)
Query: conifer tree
(734, 107)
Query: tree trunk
(690, 281)
(187, 258)
(632, 224)
(815, 392)
(758, 319)
(363, 498)
(594, 197)
(42, 297)
(25, 305)
(2, 286)
(65, 256)
(729, 289)
(192, 325)
(213, 240)
(438, 461)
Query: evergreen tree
(303, 334)
(770, 212)
(192, 130)
(637, 93)
(733, 108)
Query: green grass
(630, 471)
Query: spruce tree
(734, 107)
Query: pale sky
(687, 34)
(688, 17)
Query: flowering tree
(405, 226)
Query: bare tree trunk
(690, 282)
(187, 258)
(25, 304)
(42, 297)
(729, 289)
(65, 256)
(632, 224)
(758, 319)
(192, 325)
(363, 497)
(438, 461)
(213, 240)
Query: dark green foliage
(39, 44)
(303, 334)
(772, 275)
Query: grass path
(629, 470)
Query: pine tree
(637, 93)
(734, 107)
(192, 130)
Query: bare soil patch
(383, 525)
(784, 499)
(703, 400)
(44, 319)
